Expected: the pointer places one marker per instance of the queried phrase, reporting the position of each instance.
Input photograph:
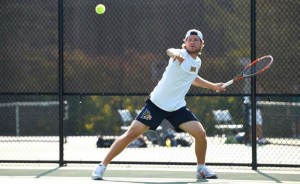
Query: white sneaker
(205, 172)
(97, 173)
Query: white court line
(120, 180)
(149, 168)
(187, 181)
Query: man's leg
(195, 129)
(259, 131)
(135, 129)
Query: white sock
(102, 165)
(200, 166)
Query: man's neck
(193, 54)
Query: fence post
(253, 85)
(61, 82)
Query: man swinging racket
(167, 101)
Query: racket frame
(241, 75)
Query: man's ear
(203, 44)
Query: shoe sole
(96, 178)
(211, 177)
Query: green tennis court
(139, 174)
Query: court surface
(118, 174)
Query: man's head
(194, 32)
(193, 41)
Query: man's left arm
(200, 82)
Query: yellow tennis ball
(100, 9)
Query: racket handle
(227, 83)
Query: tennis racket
(256, 67)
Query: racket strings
(257, 67)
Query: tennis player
(167, 101)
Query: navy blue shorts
(152, 116)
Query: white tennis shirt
(169, 93)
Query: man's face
(193, 44)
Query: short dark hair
(193, 33)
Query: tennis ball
(100, 9)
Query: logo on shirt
(146, 115)
(193, 69)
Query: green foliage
(231, 140)
(98, 114)
(93, 115)
(202, 107)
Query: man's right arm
(173, 53)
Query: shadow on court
(138, 175)
(47, 172)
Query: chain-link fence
(111, 62)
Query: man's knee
(200, 134)
(131, 135)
